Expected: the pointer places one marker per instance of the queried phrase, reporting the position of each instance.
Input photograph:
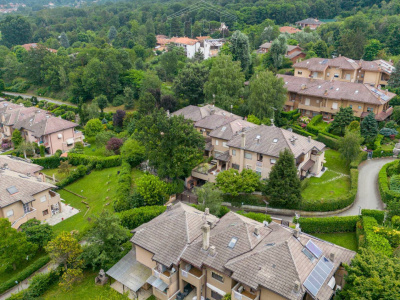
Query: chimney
(206, 236)
(212, 111)
(340, 55)
(332, 256)
(256, 231)
(207, 211)
(386, 92)
(169, 206)
(296, 286)
(212, 251)
(309, 139)
(243, 141)
(303, 86)
(326, 92)
(296, 233)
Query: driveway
(59, 102)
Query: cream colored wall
(55, 143)
(225, 286)
(219, 147)
(316, 169)
(42, 206)
(269, 295)
(305, 72)
(7, 130)
(18, 211)
(371, 77)
(145, 257)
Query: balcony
(239, 293)
(194, 276)
(205, 171)
(27, 216)
(167, 276)
(309, 107)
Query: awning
(215, 289)
(223, 156)
(308, 165)
(157, 283)
(70, 141)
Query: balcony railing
(239, 293)
(29, 215)
(167, 276)
(194, 276)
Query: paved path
(39, 98)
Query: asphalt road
(39, 98)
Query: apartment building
(187, 253)
(294, 53)
(38, 126)
(317, 96)
(196, 113)
(375, 73)
(23, 193)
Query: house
(310, 22)
(375, 73)
(294, 53)
(213, 121)
(196, 113)
(31, 46)
(212, 47)
(191, 254)
(38, 126)
(23, 193)
(191, 46)
(317, 96)
(289, 29)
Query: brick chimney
(206, 236)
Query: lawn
(86, 289)
(58, 176)
(96, 187)
(327, 186)
(92, 150)
(346, 240)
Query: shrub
(73, 176)
(122, 201)
(98, 161)
(137, 216)
(328, 141)
(374, 241)
(395, 183)
(259, 217)
(314, 121)
(114, 144)
(51, 162)
(379, 215)
(329, 224)
(386, 194)
(388, 132)
(382, 153)
(392, 235)
(297, 129)
(396, 221)
(361, 157)
(290, 115)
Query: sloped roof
(228, 130)
(183, 40)
(19, 165)
(196, 113)
(310, 21)
(340, 90)
(289, 29)
(273, 140)
(28, 47)
(317, 64)
(215, 121)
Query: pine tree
(394, 80)
(369, 127)
(64, 40)
(342, 119)
(283, 186)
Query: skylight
(337, 89)
(275, 140)
(12, 190)
(223, 128)
(232, 243)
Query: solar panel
(314, 249)
(318, 276)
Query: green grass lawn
(86, 289)
(346, 240)
(94, 151)
(95, 188)
(322, 188)
(58, 176)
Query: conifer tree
(369, 127)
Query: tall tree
(267, 93)
(225, 82)
(233, 182)
(25, 147)
(209, 196)
(269, 34)
(14, 247)
(129, 98)
(283, 186)
(16, 138)
(278, 50)
(349, 146)
(15, 30)
(64, 41)
(372, 49)
(190, 82)
(342, 119)
(173, 146)
(112, 33)
(394, 80)
(240, 49)
(320, 48)
(369, 127)
(93, 127)
(102, 102)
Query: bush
(386, 194)
(361, 157)
(328, 141)
(28, 271)
(137, 216)
(379, 215)
(374, 241)
(297, 129)
(73, 176)
(382, 153)
(388, 132)
(328, 224)
(396, 221)
(290, 115)
(51, 162)
(395, 183)
(259, 217)
(314, 121)
(98, 161)
(245, 199)
(122, 201)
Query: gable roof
(18, 164)
(310, 21)
(273, 140)
(339, 90)
(289, 29)
(183, 40)
(196, 113)
(215, 121)
(228, 130)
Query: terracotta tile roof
(288, 29)
(183, 40)
(379, 65)
(229, 130)
(28, 47)
(202, 38)
(19, 165)
(317, 64)
(340, 90)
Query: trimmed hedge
(299, 130)
(124, 187)
(28, 271)
(382, 153)
(378, 215)
(361, 157)
(289, 114)
(75, 175)
(314, 121)
(328, 141)
(259, 217)
(328, 224)
(97, 162)
(374, 241)
(386, 194)
(137, 216)
(51, 162)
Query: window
(348, 76)
(370, 109)
(351, 106)
(299, 72)
(10, 213)
(307, 102)
(334, 105)
(45, 212)
(308, 254)
(215, 295)
(217, 276)
(216, 142)
(336, 75)
(249, 167)
(259, 157)
(26, 208)
(359, 107)
(272, 161)
(224, 144)
(233, 152)
(247, 155)
(43, 199)
(258, 171)
(235, 166)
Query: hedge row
(382, 153)
(328, 141)
(374, 241)
(386, 194)
(314, 121)
(299, 130)
(289, 114)
(328, 224)
(361, 157)
(378, 215)
(336, 137)
(97, 162)
(51, 162)
(137, 216)
(124, 187)
(75, 175)
(259, 217)
(28, 271)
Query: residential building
(194, 255)
(294, 53)
(196, 113)
(317, 96)
(191, 46)
(31, 46)
(375, 73)
(23, 193)
(209, 123)
(38, 126)
(289, 29)
(310, 22)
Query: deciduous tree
(278, 50)
(102, 102)
(93, 127)
(15, 30)
(209, 196)
(233, 182)
(342, 119)
(64, 41)
(394, 80)
(37, 233)
(16, 138)
(240, 49)
(349, 146)
(114, 144)
(152, 189)
(133, 152)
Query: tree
(129, 98)
(37, 233)
(189, 83)
(369, 127)
(105, 240)
(342, 119)
(267, 93)
(93, 110)
(209, 196)
(372, 49)
(172, 145)
(394, 80)
(283, 186)
(14, 247)
(118, 118)
(103, 137)
(320, 48)
(112, 33)
(152, 189)
(269, 33)
(172, 61)
(233, 182)
(133, 152)
(15, 30)
(26, 147)
(372, 276)
(278, 50)
(64, 167)
(102, 102)
(64, 42)
(354, 126)
(93, 127)
(114, 144)
(16, 138)
(225, 82)
(396, 114)
(349, 146)
(240, 49)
